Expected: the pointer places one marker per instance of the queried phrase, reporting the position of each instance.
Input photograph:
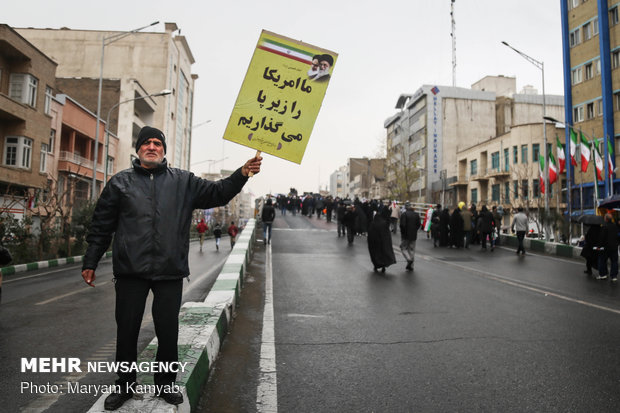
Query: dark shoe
(383, 269)
(116, 400)
(172, 397)
(409, 266)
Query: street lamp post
(541, 66)
(104, 42)
(107, 127)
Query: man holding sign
(148, 210)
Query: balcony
(462, 180)
(479, 175)
(499, 173)
(72, 162)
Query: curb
(202, 328)
(13, 269)
(538, 245)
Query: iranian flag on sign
(553, 169)
(584, 148)
(561, 156)
(610, 157)
(598, 162)
(573, 147)
(541, 168)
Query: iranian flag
(286, 50)
(561, 156)
(598, 162)
(573, 147)
(584, 148)
(541, 168)
(610, 157)
(553, 169)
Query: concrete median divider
(539, 245)
(13, 269)
(202, 327)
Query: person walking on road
(589, 251)
(147, 209)
(519, 225)
(409, 225)
(467, 225)
(485, 227)
(340, 210)
(202, 229)
(217, 233)
(380, 241)
(350, 220)
(267, 217)
(609, 243)
(232, 233)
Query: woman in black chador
(444, 228)
(380, 241)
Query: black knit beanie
(148, 132)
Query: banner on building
(280, 97)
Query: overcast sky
(384, 49)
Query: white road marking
(59, 297)
(267, 392)
(35, 275)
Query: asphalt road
(467, 331)
(53, 313)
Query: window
(590, 110)
(535, 153)
(474, 195)
(515, 189)
(578, 114)
(48, 100)
(495, 161)
(589, 71)
(613, 16)
(587, 31)
(595, 26)
(524, 189)
(495, 193)
(597, 67)
(43, 163)
(473, 167)
(17, 151)
(615, 59)
(506, 160)
(576, 76)
(599, 107)
(515, 155)
(52, 139)
(506, 192)
(110, 166)
(536, 188)
(575, 38)
(23, 88)
(523, 153)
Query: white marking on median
(267, 392)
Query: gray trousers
(408, 249)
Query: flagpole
(592, 144)
(580, 180)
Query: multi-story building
(135, 65)
(336, 183)
(27, 81)
(436, 123)
(359, 175)
(591, 51)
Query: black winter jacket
(149, 213)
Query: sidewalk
(539, 245)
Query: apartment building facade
(134, 66)
(27, 81)
(591, 54)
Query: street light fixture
(104, 42)
(107, 126)
(541, 66)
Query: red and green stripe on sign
(286, 50)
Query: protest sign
(280, 96)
